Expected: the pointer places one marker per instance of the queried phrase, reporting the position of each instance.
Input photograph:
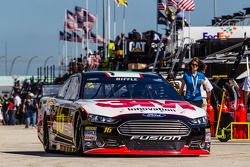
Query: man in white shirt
(17, 100)
(205, 94)
(17, 104)
(246, 89)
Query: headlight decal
(101, 119)
(200, 120)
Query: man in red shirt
(11, 112)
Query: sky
(31, 27)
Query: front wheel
(46, 142)
(79, 136)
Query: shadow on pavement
(37, 153)
(62, 154)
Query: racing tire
(79, 136)
(46, 142)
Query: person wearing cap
(30, 108)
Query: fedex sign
(219, 35)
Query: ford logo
(153, 115)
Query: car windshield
(129, 88)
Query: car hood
(117, 107)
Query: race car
(127, 113)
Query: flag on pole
(161, 5)
(161, 18)
(70, 15)
(82, 13)
(76, 37)
(84, 25)
(121, 2)
(172, 3)
(91, 16)
(68, 36)
(88, 26)
(186, 5)
(71, 25)
(96, 38)
(78, 11)
(65, 36)
(61, 35)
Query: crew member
(193, 80)
(246, 89)
(30, 107)
(205, 93)
(171, 79)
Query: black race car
(122, 113)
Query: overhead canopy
(242, 75)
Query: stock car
(124, 113)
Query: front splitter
(123, 150)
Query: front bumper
(103, 139)
(123, 150)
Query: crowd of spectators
(14, 110)
(18, 108)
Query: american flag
(96, 38)
(82, 13)
(61, 35)
(172, 3)
(76, 37)
(88, 26)
(85, 25)
(186, 5)
(162, 5)
(78, 11)
(70, 15)
(70, 25)
(65, 36)
(161, 18)
(68, 36)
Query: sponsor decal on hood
(154, 115)
(148, 108)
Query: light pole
(29, 62)
(214, 8)
(12, 63)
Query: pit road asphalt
(20, 147)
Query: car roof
(109, 74)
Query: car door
(70, 108)
(60, 112)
